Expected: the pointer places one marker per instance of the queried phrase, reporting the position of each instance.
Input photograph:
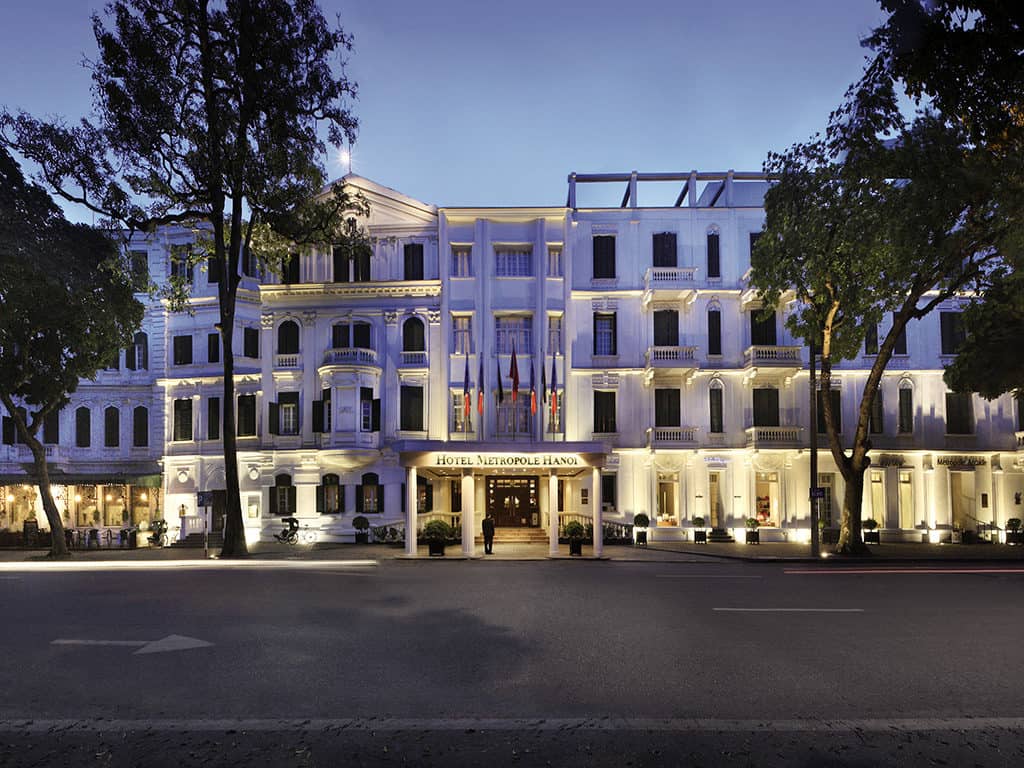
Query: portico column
(410, 511)
(598, 515)
(468, 515)
(553, 514)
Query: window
(714, 332)
(115, 361)
(462, 261)
(604, 257)
(340, 336)
(609, 488)
(368, 495)
(554, 334)
(666, 328)
(213, 347)
(339, 257)
(111, 427)
(871, 339)
(361, 336)
(322, 416)
(717, 420)
(213, 418)
(837, 412)
(181, 262)
(288, 413)
(462, 334)
(140, 269)
(665, 250)
(369, 411)
(214, 267)
(900, 347)
(461, 422)
(330, 496)
(604, 412)
(905, 424)
(906, 499)
(604, 334)
(10, 430)
(361, 266)
(251, 342)
(282, 497)
(250, 262)
(51, 428)
(714, 256)
(826, 481)
(754, 237)
(762, 328)
(140, 427)
(182, 350)
(455, 493)
(876, 419)
(288, 338)
(1019, 399)
(413, 253)
(290, 269)
(513, 261)
(182, 419)
(554, 421)
(515, 417)
(952, 328)
(413, 336)
(246, 415)
(666, 408)
(83, 427)
(512, 330)
(555, 261)
(959, 413)
(136, 357)
(411, 413)
(766, 407)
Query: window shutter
(129, 358)
(404, 504)
(321, 506)
(429, 496)
(717, 421)
(615, 333)
(51, 428)
(213, 270)
(272, 419)
(213, 418)
(318, 415)
(213, 348)
(291, 500)
(341, 262)
(9, 430)
(359, 499)
(413, 261)
(714, 256)
(273, 501)
(140, 427)
(714, 332)
(375, 416)
(144, 341)
(594, 332)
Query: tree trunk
(58, 544)
(850, 540)
(234, 526)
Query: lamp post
(813, 419)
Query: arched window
(413, 337)
(714, 329)
(716, 393)
(330, 496)
(83, 427)
(714, 253)
(111, 427)
(140, 426)
(136, 357)
(282, 496)
(369, 495)
(905, 421)
(288, 338)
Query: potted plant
(1014, 534)
(437, 533)
(640, 523)
(574, 532)
(700, 536)
(362, 525)
(871, 532)
(753, 535)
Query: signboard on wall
(504, 460)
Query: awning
(57, 477)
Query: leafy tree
(862, 226)
(66, 301)
(207, 114)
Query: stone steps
(195, 541)
(517, 536)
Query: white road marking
(953, 571)
(290, 725)
(206, 565)
(704, 576)
(790, 610)
(163, 645)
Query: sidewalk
(678, 552)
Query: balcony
(351, 356)
(675, 358)
(416, 359)
(670, 284)
(287, 361)
(783, 360)
(773, 437)
(667, 436)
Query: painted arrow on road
(163, 645)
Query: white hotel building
(673, 399)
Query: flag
(533, 390)
(467, 402)
(480, 389)
(513, 373)
(543, 381)
(501, 389)
(554, 388)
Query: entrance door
(767, 492)
(512, 502)
(961, 496)
(715, 505)
(218, 511)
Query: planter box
(435, 548)
(753, 537)
(576, 547)
(700, 537)
(873, 537)
(641, 538)
(362, 538)
(1015, 537)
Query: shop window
(826, 481)
(906, 499)
(609, 492)
(666, 512)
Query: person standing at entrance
(488, 535)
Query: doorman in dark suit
(488, 535)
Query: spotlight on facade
(78, 497)
(143, 496)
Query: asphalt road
(531, 663)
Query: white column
(596, 501)
(468, 515)
(410, 511)
(553, 514)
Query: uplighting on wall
(182, 475)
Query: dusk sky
(463, 102)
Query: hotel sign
(505, 460)
(962, 461)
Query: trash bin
(133, 538)
(122, 538)
(30, 532)
(94, 538)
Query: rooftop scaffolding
(725, 189)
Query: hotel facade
(658, 386)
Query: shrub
(753, 523)
(437, 530)
(574, 529)
(870, 524)
(640, 520)
(1013, 524)
(698, 522)
(360, 523)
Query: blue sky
(473, 102)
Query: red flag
(554, 389)
(467, 402)
(513, 373)
(480, 388)
(533, 390)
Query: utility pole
(813, 419)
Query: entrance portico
(516, 483)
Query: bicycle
(293, 534)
